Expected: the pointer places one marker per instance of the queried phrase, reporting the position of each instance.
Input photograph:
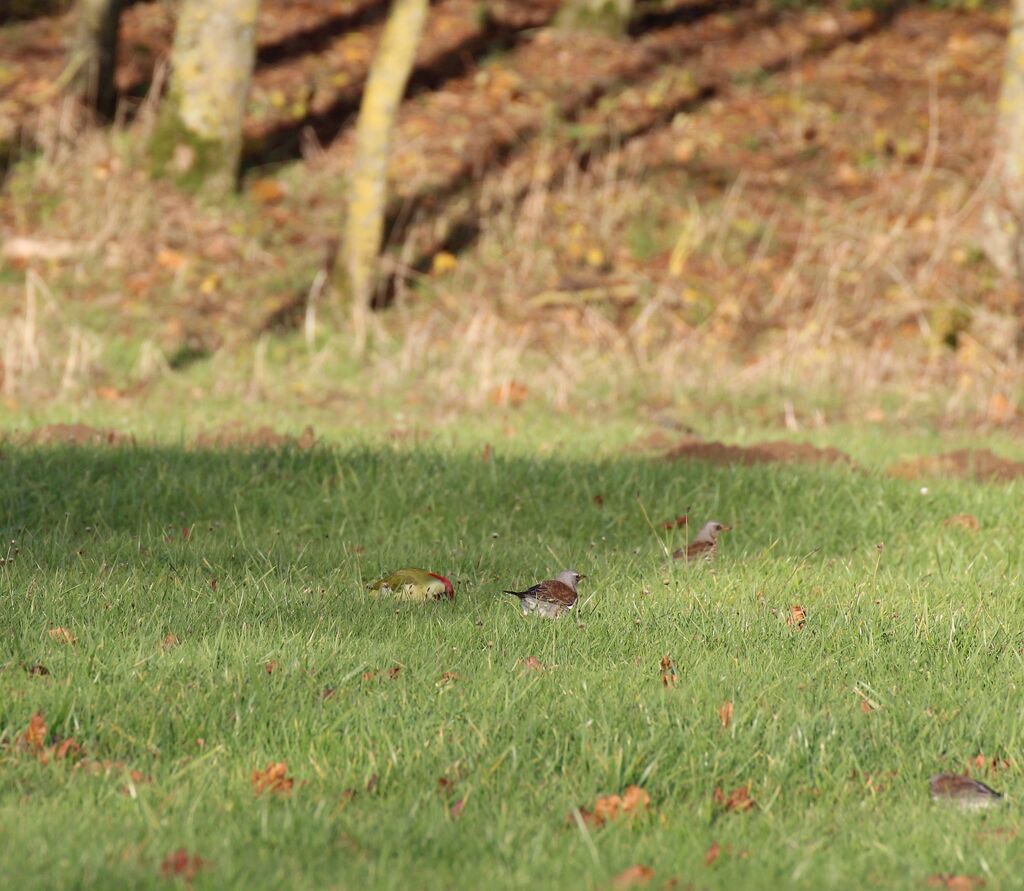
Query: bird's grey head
(569, 577)
(709, 532)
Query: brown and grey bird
(704, 546)
(962, 791)
(552, 598)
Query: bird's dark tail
(519, 594)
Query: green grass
(929, 628)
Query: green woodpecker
(414, 585)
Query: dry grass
(674, 275)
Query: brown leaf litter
(236, 435)
(73, 435)
(610, 807)
(758, 453)
(977, 464)
(273, 778)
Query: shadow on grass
(407, 505)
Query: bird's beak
(582, 577)
(728, 528)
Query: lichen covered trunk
(93, 53)
(606, 16)
(199, 134)
(385, 86)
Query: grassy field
(926, 630)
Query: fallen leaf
(797, 617)
(371, 783)
(964, 521)
(38, 669)
(447, 678)
(713, 853)
(443, 262)
(273, 778)
(512, 394)
(599, 500)
(737, 801)
(170, 640)
(34, 737)
(532, 663)
(327, 693)
(1000, 409)
(866, 707)
(487, 453)
(725, 714)
(171, 259)
(182, 865)
(456, 809)
(62, 635)
(638, 874)
(67, 748)
(609, 807)
(394, 671)
(669, 675)
(955, 882)
(270, 666)
(267, 191)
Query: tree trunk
(385, 86)
(93, 57)
(1005, 213)
(198, 136)
(605, 16)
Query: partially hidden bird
(962, 791)
(704, 546)
(414, 585)
(552, 598)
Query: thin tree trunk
(1010, 215)
(606, 16)
(93, 57)
(385, 86)
(198, 137)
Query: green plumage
(412, 585)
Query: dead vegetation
(772, 210)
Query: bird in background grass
(962, 791)
(414, 585)
(704, 546)
(550, 599)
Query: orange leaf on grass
(713, 853)
(964, 521)
(62, 635)
(637, 874)
(532, 663)
(797, 617)
(725, 714)
(669, 675)
(182, 865)
(512, 394)
(456, 809)
(34, 737)
(273, 778)
(270, 666)
(609, 807)
(737, 801)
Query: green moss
(206, 165)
